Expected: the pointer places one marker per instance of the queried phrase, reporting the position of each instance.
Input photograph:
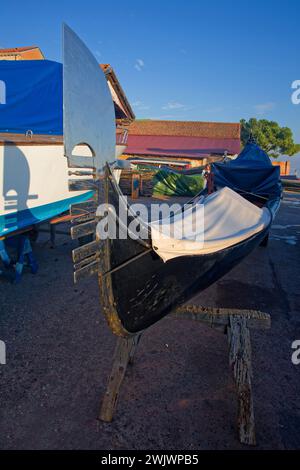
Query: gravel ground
(179, 394)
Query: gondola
(144, 278)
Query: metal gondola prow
(89, 142)
(88, 110)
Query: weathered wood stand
(236, 323)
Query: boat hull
(146, 289)
(34, 182)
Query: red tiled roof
(17, 49)
(180, 146)
(215, 130)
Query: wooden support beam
(123, 352)
(220, 316)
(240, 363)
(236, 323)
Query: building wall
(285, 167)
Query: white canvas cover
(222, 220)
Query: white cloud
(139, 65)
(173, 105)
(140, 106)
(263, 108)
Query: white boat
(34, 182)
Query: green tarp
(173, 183)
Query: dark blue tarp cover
(33, 100)
(251, 171)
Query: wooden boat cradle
(93, 258)
(236, 324)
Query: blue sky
(218, 60)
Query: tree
(272, 138)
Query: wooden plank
(80, 162)
(84, 251)
(86, 271)
(81, 230)
(82, 185)
(120, 361)
(240, 363)
(220, 316)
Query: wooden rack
(236, 324)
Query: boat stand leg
(240, 362)
(123, 354)
(24, 250)
(52, 235)
(4, 255)
(236, 323)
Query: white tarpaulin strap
(224, 219)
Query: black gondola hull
(147, 289)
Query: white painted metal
(89, 115)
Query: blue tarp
(251, 171)
(31, 96)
